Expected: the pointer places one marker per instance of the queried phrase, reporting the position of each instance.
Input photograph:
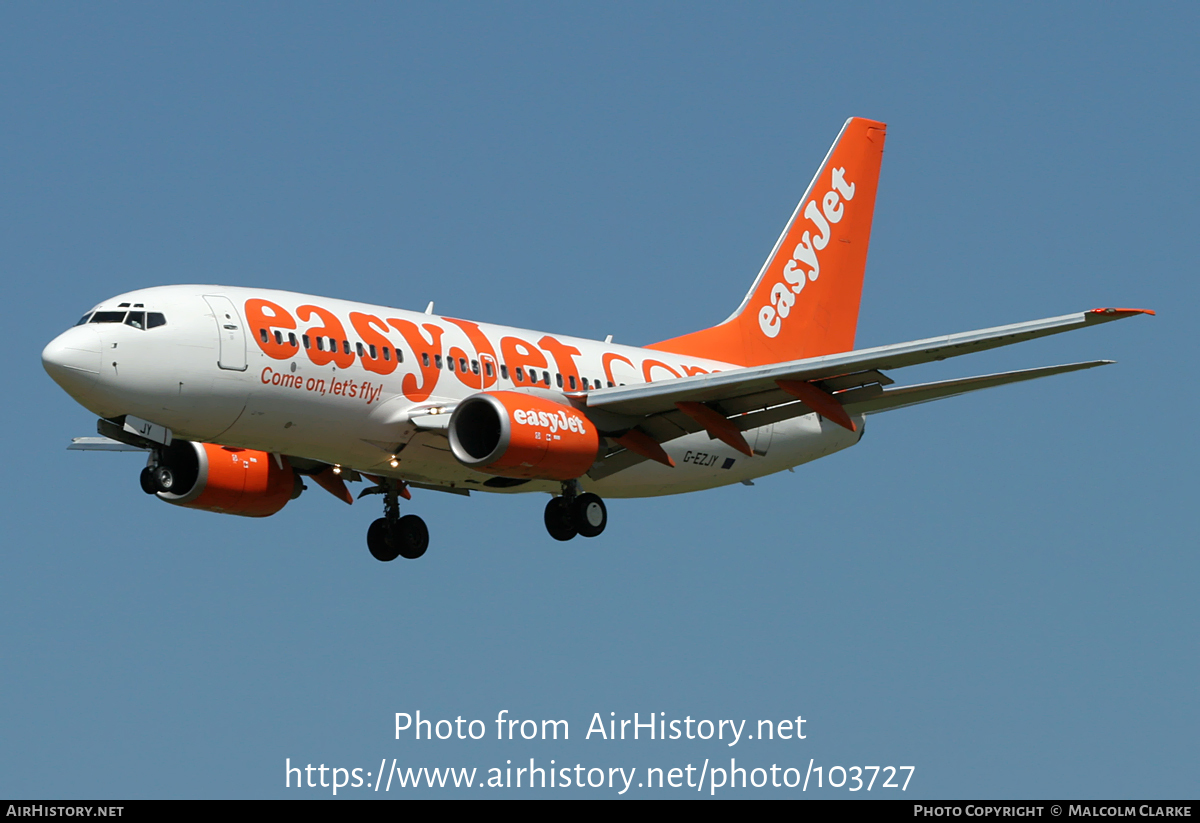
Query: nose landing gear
(393, 536)
(575, 513)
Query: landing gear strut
(393, 536)
(575, 513)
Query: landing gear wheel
(589, 514)
(164, 479)
(378, 542)
(411, 537)
(146, 478)
(559, 520)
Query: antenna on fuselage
(608, 339)
(429, 308)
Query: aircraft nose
(73, 358)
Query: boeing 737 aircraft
(238, 394)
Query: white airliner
(239, 393)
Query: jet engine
(512, 434)
(225, 479)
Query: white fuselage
(308, 376)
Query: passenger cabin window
(474, 367)
(487, 368)
(108, 317)
(292, 340)
(307, 343)
(320, 344)
(437, 360)
(585, 384)
(571, 380)
(278, 337)
(533, 375)
(450, 363)
(520, 375)
(137, 319)
(155, 319)
(462, 365)
(361, 351)
(399, 355)
(387, 353)
(345, 347)
(558, 379)
(425, 358)
(374, 351)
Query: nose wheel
(573, 513)
(393, 536)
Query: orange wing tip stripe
(643, 444)
(716, 425)
(333, 483)
(1123, 311)
(819, 400)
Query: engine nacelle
(512, 434)
(229, 480)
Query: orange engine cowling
(229, 480)
(512, 434)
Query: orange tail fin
(805, 300)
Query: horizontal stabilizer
(925, 392)
(101, 444)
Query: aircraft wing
(833, 385)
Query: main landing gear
(575, 513)
(159, 475)
(393, 536)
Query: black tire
(164, 479)
(411, 537)
(377, 541)
(559, 521)
(589, 514)
(146, 478)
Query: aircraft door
(491, 370)
(230, 331)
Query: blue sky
(998, 590)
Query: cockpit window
(83, 319)
(155, 319)
(108, 317)
(137, 319)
